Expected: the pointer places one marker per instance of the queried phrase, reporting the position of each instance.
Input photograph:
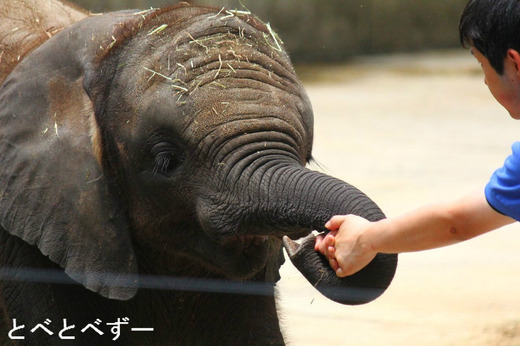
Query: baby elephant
(152, 168)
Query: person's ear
(514, 57)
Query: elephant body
(25, 24)
(144, 150)
(178, 317)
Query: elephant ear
(54, 193)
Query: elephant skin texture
(152, 167)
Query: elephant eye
(166, 158)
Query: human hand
(346, 246)
(325, 244)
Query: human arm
(354, 241)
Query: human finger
(335, 222)
(317, 241)
(327, 242)
(334, 264)
(339, 272)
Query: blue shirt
(503, 189)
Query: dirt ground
(409, 130)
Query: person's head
(493, 27)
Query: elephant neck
(203, 317)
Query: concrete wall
(334, 30)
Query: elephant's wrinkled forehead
(221, 74)
(208, 49)
(212, 77)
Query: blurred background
(335, 30)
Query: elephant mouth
(246, 244)
(242, 257)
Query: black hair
(492, 27)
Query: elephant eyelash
(164, 163)
(167, 156)
(312, 161)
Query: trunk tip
(291, 246)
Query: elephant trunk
(303, 200)
(308, 200)
(280, 199)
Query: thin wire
(145, 281)
(186, 284)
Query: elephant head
(174, 142)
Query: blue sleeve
(503, 189)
